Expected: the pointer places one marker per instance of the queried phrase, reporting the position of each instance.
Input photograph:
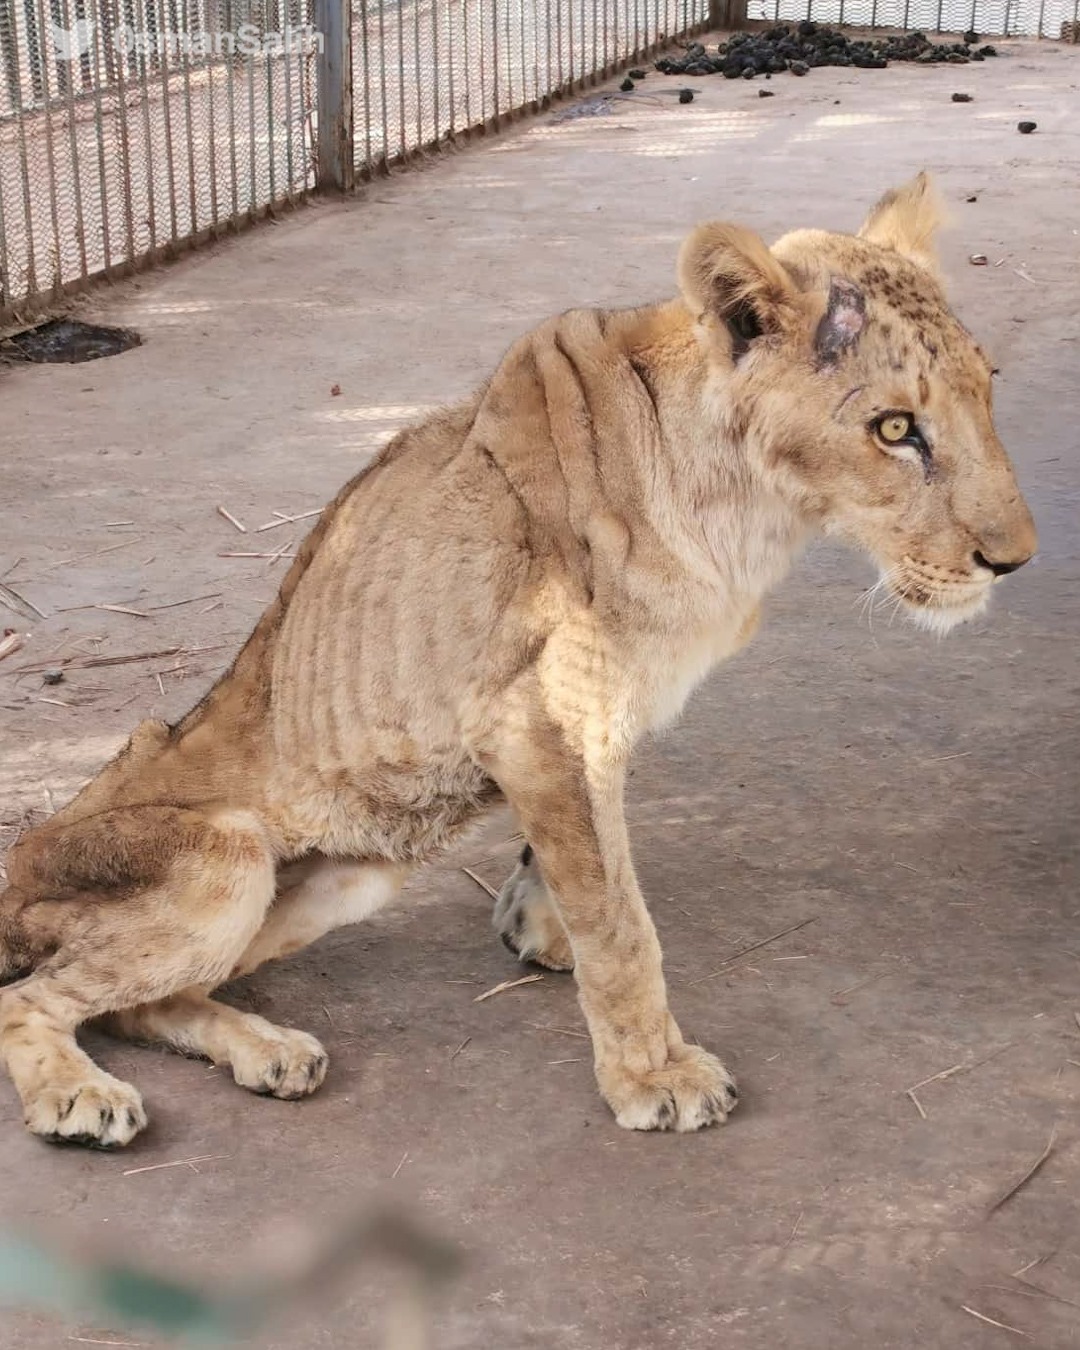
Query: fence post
(727, 14)
(333, 93)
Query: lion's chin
(939, 612)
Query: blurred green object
(113, 1292)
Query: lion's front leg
(572, 815)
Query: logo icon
(70, 44)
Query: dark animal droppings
(686, 96)
(961, 98)
(1026, 128)
(807, 45)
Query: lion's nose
(1001, 568)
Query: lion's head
(848, 378)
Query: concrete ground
(910, 802)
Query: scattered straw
(505, 985)
(180, 1162)
(282, 552)
(754, 946)
(1039, 1260)
(10, 644)
(123, 609)
(840, 996)
(794, 1232)
(401, 1164)
(283, 519)
(481, 883)
(579, 1060)
(272, 556)
(18, 604)
(910, 1092)
(951, 1072)
(994, 1323)
(228, 515)
(95, 552)
(87, 662)
(175, 604)
(160, 685)
(94, 1340)
(559, 1031)
(455, 1053)
(1010, 1191)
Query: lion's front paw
(527, 921)
(691, 1091)
(100, 1112)
(277, 1061)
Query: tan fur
(500, 606)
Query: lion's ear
(907, 220)
(728, 274)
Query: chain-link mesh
(428, 70)
(989, 18)
(129, 127)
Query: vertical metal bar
(382, 83)
(99, 132)
(253, 163)
(451, 83)
(287, 68)
(120, 125)
(269, 60)
(189, 131)
(508, 57)
(401, 79)
(334, 165)
(230, 103)
(547, 55)
(495, 56)
(166, 104)
(1042, 11)
(436, 66)
(467, 64)
(76, 174)
(365, 56)
(417, 87)
(47, 69)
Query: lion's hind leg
(267, 1059)
(213, 881)
(314, 897)
(527, 920)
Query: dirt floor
(910, 802)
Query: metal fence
(989, 18)
(132, 128)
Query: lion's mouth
(938, 598)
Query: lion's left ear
(728, 274)
(907, 220)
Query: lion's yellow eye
(895, 427)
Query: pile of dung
(800, 47)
